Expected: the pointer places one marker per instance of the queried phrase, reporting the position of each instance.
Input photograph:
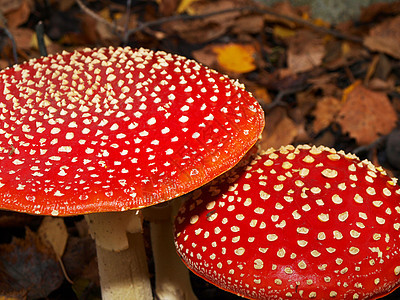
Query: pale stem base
(172, 276)
(121, 255)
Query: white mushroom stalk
(121, 255)
(172, 281)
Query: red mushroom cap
(116, 129)
(297, 223)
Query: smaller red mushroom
(304, 222)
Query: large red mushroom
(103, 131)
(296, 223)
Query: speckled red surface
(116, 129)
(298, 223)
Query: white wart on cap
(116, 129)
(301, 222)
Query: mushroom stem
(172, 276)
(121, 255)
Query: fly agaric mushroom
(301, 222)
(111, 130)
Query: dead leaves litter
(30, 266)
(236, 58)
(385, 37)
(366, 115)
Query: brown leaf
(280, 130)
(9, 5)
(370, 13)
(378, 84)
(343, 53)
(305, 52)
(260, 93)
(54, 232)
(366, 114)
(24, 37)
(28, 265)
(19, 16)
(325, 112)
(197, 31)
(206, 56)
(167, 7)
(325, 84)
(383, 67)
(205, 29)
(64, 5)
(16, 295)
(251, 24)
(284, 8)
(78, 257)
(385, 37)
(306, 101)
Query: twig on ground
(39, 28)
(14, 45)
(127, 17)
(99, 18)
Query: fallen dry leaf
(235, 58)
(371, 12)
(284, 8)
(9, 5)
(64, 5)
(283, 32)
(305, 51)
(306, 102)
(366, 115)
(320, 22)
(19, 16)
(251, 24)
(28, 265)
(167, 7)
(385, 37)
(349, 89)
(261, 94)
(184, 6)
(325, 85)
(378, 84)
(78, 257)
(197, 31)
(383, 67)
(325, 112)
(280, 130)
(206, 29)
(54, 232)
(206, 56)
(24, 37)
(343, 53)
(20, 295)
